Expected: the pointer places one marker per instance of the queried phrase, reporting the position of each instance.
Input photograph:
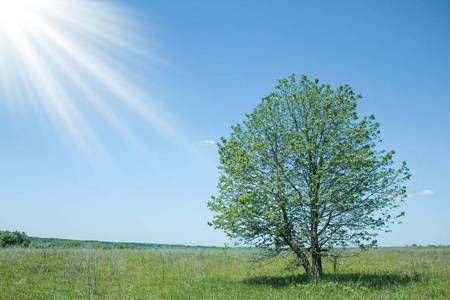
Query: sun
(17, 13)
(76, 62)
(10, 10)
(11, 14)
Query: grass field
(390, 273)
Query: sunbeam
(68, 59)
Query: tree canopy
(304, 173)
(13, 239)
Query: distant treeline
(21, 239)
(18, 239)
(38, 242)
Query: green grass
(391, 273)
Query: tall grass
(403, 273)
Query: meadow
(385, 273)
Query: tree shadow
(277, 281)
(371, 281)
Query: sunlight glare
(74, 62)
(15, 13)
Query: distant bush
(13, 239)
(119, 246)
(38, 245)
(75, 244)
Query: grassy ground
(396, 273)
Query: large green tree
(303, 173)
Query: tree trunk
(316, 266)
(313, 270)
(305, 263)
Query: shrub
(13, 239)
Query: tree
(11, 239)
(303, 173)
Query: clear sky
(108, 110)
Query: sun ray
(55, 100)
(69, 57)
(96, 100)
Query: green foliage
(37, 245)
(304, 173)
(71, 244)
(13, 239)
(37, 242)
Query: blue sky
(197, 67)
